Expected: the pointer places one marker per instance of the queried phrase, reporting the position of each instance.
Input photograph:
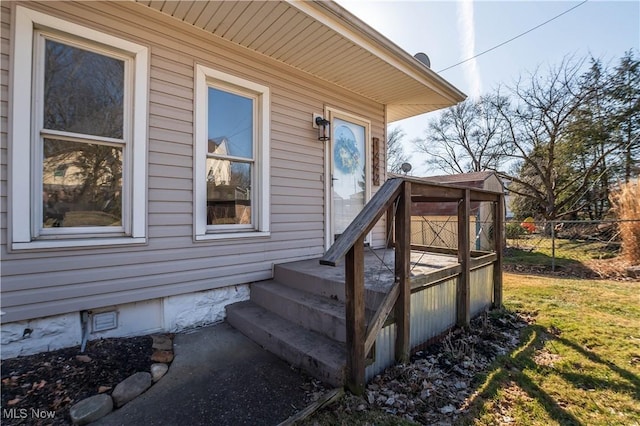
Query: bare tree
(395, 151)
(561, 136)
(540, 144)
(466, 138)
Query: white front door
(349, 177)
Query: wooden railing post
(498, 236)
(402, 261)
(389, 227)
(355, 316)
(463, 292)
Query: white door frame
(331, 113)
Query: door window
(349, 178)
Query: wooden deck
(379, 267)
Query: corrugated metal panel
(481, 282)
(385, 352)
(433, 310)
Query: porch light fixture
(323, 128)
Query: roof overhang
(323, 39)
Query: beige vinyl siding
(5, 18)
(47, 282)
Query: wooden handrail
(350, 245)
(435, 191)
(380, 317)
(364, 221)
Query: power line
(514, 38)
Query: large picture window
(79, 115)
(231, 163)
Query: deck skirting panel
(433, 312)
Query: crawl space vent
(104, 321)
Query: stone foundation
(169, 314)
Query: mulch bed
(54, 381)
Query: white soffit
(324, 40)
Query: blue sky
(451, 31)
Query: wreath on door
(346, 153)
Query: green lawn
(537, 250)
(579, 362)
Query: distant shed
(436, 223)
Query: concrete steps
(314, 312)
(325, 281)
(300, 316)
(303, 276)
(322, 357)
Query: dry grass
(627, 206)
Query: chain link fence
(581, 248)
(561, 244)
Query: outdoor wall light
(323, 128)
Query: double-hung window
(79, 135)
(231, 156)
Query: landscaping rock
(633, 271)
(91, 409)
(158, 370)
(130, 388)
(162, 356)
(447, 409)
(162, 342)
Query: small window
(79, 115)
(231, 156)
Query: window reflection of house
(218, 171)
(82, 186)
(228, 195)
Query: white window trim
(205, 76)
(21, 167)
(37, 230)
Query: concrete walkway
(218, 377)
